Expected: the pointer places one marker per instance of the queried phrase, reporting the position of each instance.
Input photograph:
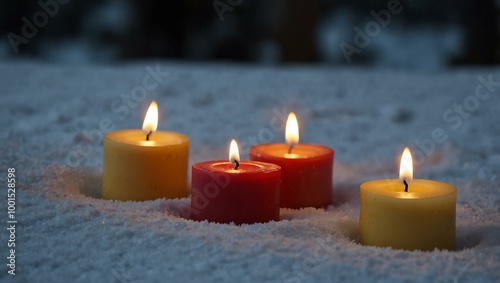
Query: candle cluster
(150, 164)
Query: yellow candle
(421, 218)
(145, 165)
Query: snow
(52, 113)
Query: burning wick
(291, 131)
(406, 168)
(234, 155)
(150, 120)
(237, 164)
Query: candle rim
(263, 167)
(397, 194)
(115, 137)
(326, 151)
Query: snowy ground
(50, 121)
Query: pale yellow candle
(145, 165)
(421, 218)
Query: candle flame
(151, 120)
(406, 166)
(234, 154)
(292, 130)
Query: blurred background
(422, 35)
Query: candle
(145, 165)
(408, 214)
(306, 178)
(234, 191)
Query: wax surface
(249, 194)
(136, 169)
(307, 172)
(421, 219)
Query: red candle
(234, 191)
(307, 169)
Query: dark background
(425, 35)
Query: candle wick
(290, 149)
(237, 164)
(406, 185)
(147, 136)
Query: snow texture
(51, 120)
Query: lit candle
(145, 165)
(234, 191)
(407, 214)
(307, 169)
